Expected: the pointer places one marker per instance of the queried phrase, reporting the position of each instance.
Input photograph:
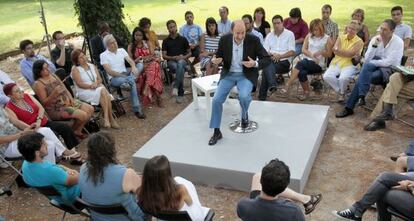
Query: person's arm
(366, 35)
(131, 181)
(15, 120)
(355, 50)
(132, 64)
(186, 196)
(129, 49)
(392, 57)
(407, 43)
(62, 57)
(78, 80)
(41, 93)
(98, 76)
(327, 53)
(305, 47)
(12, 137)
(41, 111)
(203, 51)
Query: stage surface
(290, 132)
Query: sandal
(304, 96)
(75, 155)
(310, 206)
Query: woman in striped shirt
(208, 45)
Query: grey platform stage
(291, 132)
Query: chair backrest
(173, 216)
(104, 209)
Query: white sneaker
(175, 92)
(3, 165)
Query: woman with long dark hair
(208, 46)
(149, 81)
(260, 23)
(104, 181)
(161, 192)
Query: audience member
(402, 30)
(89, 88)
(145, 24)
(224, 24)
(399, 87)
(267, 197)
(192, 33)
(57, 101)
(104, 181)
(242, 56)
(149, 81)
(341, 70)
(61, 55)
(388, 189)
(41, 173)
(280, 45)
(209, 45)
(248, 22)
(28, 111)
(97, 43)
(176, 51)
(384, 51)
(260, 23)
(331, 28)
(9, 134)
(298, 26)
(4, 79)
(113, 61)
(405, 160)
(363, 33)
(26, 64)
(178, 193)
(317, 47)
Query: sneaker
(3, 165)
(175, 92)
(179, 99)
(346, 215)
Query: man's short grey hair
(107, 38)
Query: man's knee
(386, 176)
(182, 63)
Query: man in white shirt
(4, 79)
(384, 50)
(280, 44)
(224, 24)
(248, 23)
(113, 60)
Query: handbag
(117, 108)
(92, 126)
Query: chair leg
(63, 216)
(10, 165)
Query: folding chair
(181, 216)
(103, 209)
(50, 191)
(6, 161)
(397, 214)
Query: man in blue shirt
(192, 33)
(40, 173)
(26, 64)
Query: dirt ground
(348, 159)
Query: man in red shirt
(298, 26)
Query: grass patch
(20, 19)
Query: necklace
(91, 76)
(25, 106)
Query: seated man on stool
(384, 51)
(239, 52)
(400, 86)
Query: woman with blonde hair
(363, 33)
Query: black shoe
(216, 136)
(346, 214)
(140, 115)
(384, 117)
(394, 158)
(375, 125)
(361, 101)
(280, 79)
(272, 90)
(346, 112)
(244, 123)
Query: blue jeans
(244, 87)
(130, 79)
(140, 67)
(369, 74)
(179, 68)
(298, 48)
(269, 77)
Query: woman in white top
(161, 192)
(316, 48)
(89, 88)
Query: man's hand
(276, 57)
(404, 185)
(134, 70)
(377, 41)
(250, 63)
(215, 60)
(62, 43)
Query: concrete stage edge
(290, 132)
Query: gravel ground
(348, 160)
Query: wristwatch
(374, 46)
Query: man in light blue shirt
(224, 24)
(192, 33)
(26, 64)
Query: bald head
(239, 31)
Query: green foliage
(90, 12)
